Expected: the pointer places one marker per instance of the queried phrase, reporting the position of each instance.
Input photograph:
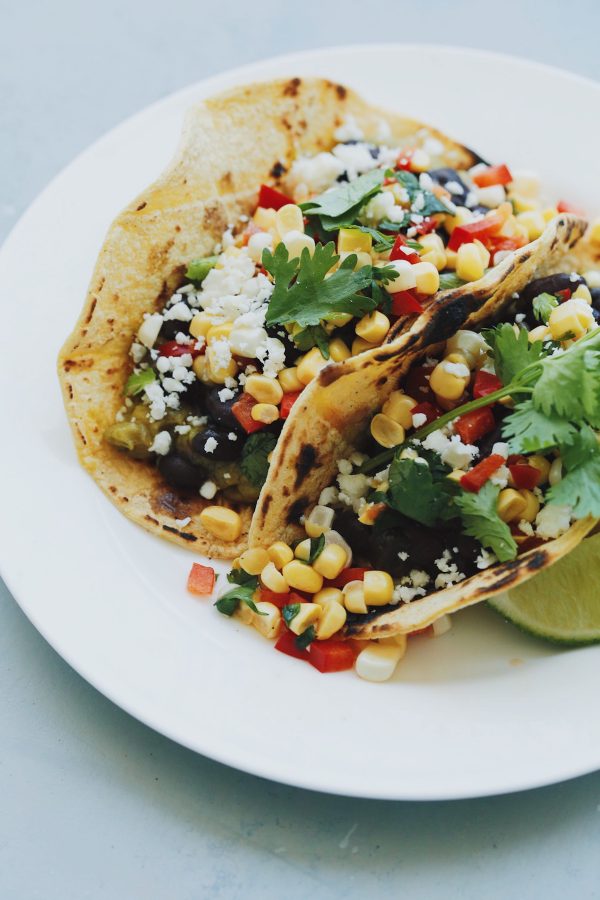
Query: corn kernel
(522, 203)
(221, 522)
(267, 413)
(219, 373)
(573, 317)
(461, 216)
(371, 512)
(469, 264)
(593, 234)
(451, 258)
(532, 506)
(264, 218)
(200, 325)
(534, 222)
(253, 561)
(289, 218)
(592, 277)
(386, 431)
(263, 389)
(455, 475)
(268, 620)
(510, 505)
(526, 184)
(330, 561)
(582, 293)
(449, 384)
(319, 521)
(541, 333)
(310, 366)
(540, 463)
(218, 331)
(201, 368)
(427, 277)
(359, 345)
(307, 615)
(373, 327)
(328, 595)
(379, 588)
(362, 259)
(405, 279)
(296, 241)
(333, 617)
(273, 580)
(244, 614)
(338, 350)
(549, 213)
(289, 381)
(399, 407)
(302, 577)
(354, 597)
(339, 319)
(471, 344)
(420, 160)
(555, 472)
(483, 252)
(302, 550)
(377, 662)
(280, 553)
(457, 357)
(351, 240)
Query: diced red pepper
(286, 643)
(496, 243)
(287, 401)
(401, 250)
(331, 655)
(524, 476)
(565, 294)
(563, 206)
(279, 600)
(242, 410)
(348, 575)
(250, 229)
(485, 383)
(474, 425)
(270, 198)
(172, 348)
(477, 477)
(479, 230)
(493, 175)
(429, 410)
(416, 383)
(404, 160)
(201, 580)
(426, 226)
(404, 303)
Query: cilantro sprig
(339, 207)
(254, 462)
(480, 520)
(243, 592)
(543, 305)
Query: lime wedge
(562, 603)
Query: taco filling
(488, 450)
(349, 242)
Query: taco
(453, 464)
(209, 309)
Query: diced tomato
(493, 175)
(426, 226)
(201, 580)
(172, 348)
(485, 383)
(250, 229)
(496, 243)
(348, 575)
(404, 160)
(242, 410)
(565, 294)
(287, 401)
(286, 643)
(524, 476)
(563, 206)
(473, 425)
(270, 198)
(404, 303)
(279, 600)
(477, 477)
(401, 250)
(416, 383)
(479, 230)
(429, 410)
(331, 655)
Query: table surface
(96, 805)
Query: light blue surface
(95, 805)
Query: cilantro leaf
(289, 611)
(240, 576)
(511, 353)
(317, 545)
(243, 592)
(429, 204)
(417, 491)
(346, 197)
(480, 520)
(313, 297)
(450, 280)
(567, 386)
(198, 269)
(529, 430)
(313, 336)
(254, 463)
(306, 638)
(579, 488)
(543, 305)
(137, 381)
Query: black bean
(220, 410)
(225, 450)
(179, 472)
(169, 330)
(595, 292)
(445, 175)
(550, 284)
(195, 396)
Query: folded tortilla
(329, 419)
(230, 145)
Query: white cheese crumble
(552, 521)
(161, 443)
(210, 445)
(501, 476)
(208, 490)
(485, 559)
(149, 329)
(500, 448)
(349, 130)
(181, 523)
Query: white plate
(483, 710)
